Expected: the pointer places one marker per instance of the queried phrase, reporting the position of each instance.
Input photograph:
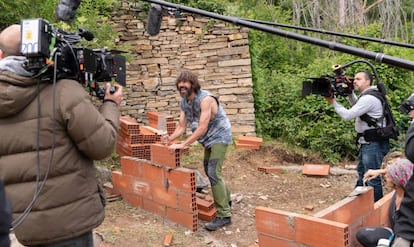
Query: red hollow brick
(256, 141)
(120, 182)
(186, 201)
(134, 200)
(141, 188)
(129, 125)
(345, 211)
(153, 173)
(161, 154)
(154, 207)
(131, 166)
(182, 179)
(168, 239)
(316, 169)
(271, 241)
(382, 205)
(207, 215)
(314, 231)
(188, 220)
(164, 196)
(246, 146)
(275, 222)
(269, 169)
(204, 204)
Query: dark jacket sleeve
(404, 221)
(93, 131)
(5, 217)
(409, 143)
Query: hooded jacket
(50, 135)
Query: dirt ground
(289, 190)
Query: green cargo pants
(213, 161)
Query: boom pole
(378, 57)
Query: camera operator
(51, 133)
(404, 220)
(371, 153)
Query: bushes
(310, 122)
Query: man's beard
(186, 93)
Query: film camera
(329, 85)
(51, 53)
(407, 105)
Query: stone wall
(217, 52)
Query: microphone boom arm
(378, 57)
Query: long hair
(190, 77)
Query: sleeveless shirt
(219, 128)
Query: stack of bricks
(159, 186)
(205, 205)
(135, 140)
(151, 177)
(336, 225)
(155, 117)
(248, 142)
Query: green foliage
(280, 65)
(215, 6)
(113, 162)
(14, 11)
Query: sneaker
(218, 223)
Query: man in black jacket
(404, 221)
(5, 217)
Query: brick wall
(162, 190)
(336, 225)
(216, 51)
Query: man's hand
(165, 139)
(173, 147)
(329, 99)
(116, 96)
(411, 114)
(371, 174)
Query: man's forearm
(177, 133)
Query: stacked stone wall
(217, 52)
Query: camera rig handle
(380, 85)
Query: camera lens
(407, 105)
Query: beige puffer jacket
(66, 132)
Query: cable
(17, 222)
(382, 41)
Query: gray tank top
(219, 128)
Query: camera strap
(380, 132)
(371, 121)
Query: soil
(288, 190)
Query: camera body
(51, 53)
(407, 105)
(329, 85)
